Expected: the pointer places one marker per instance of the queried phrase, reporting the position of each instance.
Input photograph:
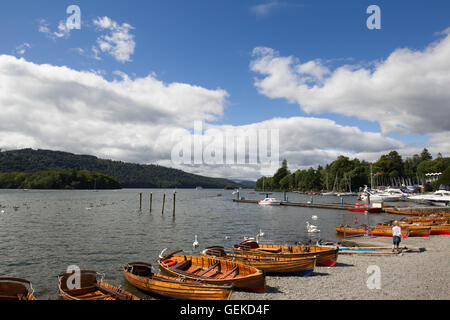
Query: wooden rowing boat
(324, 256)
(91, 288)
(140, 275)
(409, 231)
(417, 213)
(16, 289)
(303, 266)
(352, 231)
(436, 228)
(214, 271)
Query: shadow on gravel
(270, 289)
(340, 264)
(319, 274)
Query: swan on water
(195, 244)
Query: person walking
(396, 236)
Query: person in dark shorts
(396, 236)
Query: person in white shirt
(396, 236)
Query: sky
(133, 79)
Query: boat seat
(209, 269)
(230, 272)
(183, 265)
(274, 250)
(81, 291)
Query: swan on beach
(311, 228)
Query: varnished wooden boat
(303, 266)
(140, 275)
(436, 228)
(91, 288)
(410, 231)
(15, 289)
(417, 213)
(214, 271)
(352, 231)
(324, 256)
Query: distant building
(431, 177)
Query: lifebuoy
(169, 262)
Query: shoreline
(407, 276)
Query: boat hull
(91, 289)
(243, 277)
(15, 289)
(324, 256)
(303, 266)
(170, 287)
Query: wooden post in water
(151, 200)
(284, 196)
(174, 199)
(164, 201)
(140, 201)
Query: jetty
(335, 206)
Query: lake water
(44, 232)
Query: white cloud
(51, 107)
(62, 30)
(21, 50)
(119, 43)
(406, 93)
(264, 9)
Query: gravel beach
(409, 276)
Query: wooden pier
(335, 206)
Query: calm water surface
(43, 232)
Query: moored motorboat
(140, 275)
(303, 266)
(16, 289)
(214, 271)
(364, 207)
(269, 202)
(90, 288)
(324, 256)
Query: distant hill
(130, 175)
(247, 183)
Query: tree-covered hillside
(61, 179)
(130, 175)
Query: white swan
(260, 234)
(314, 217)
(195, 244)
(311, 228)
(161, 254)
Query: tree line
(60, 179)
(345, 174)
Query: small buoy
(227, 237)
(314, 217)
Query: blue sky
(210, 43)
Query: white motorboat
(440, 198)
(331, 193)
(380, 196)
(270, 202)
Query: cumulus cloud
(51, 107)
(406, 93)
(119, 42)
